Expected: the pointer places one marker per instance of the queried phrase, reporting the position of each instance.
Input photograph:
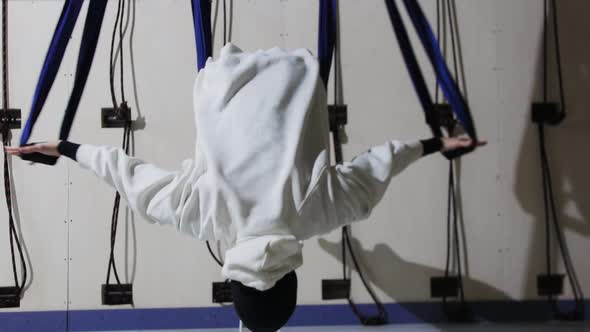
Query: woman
(261, 179)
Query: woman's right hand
(46, 148)
(454, 143)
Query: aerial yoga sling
(447, 83)
(53, 59)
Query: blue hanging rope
(94, 19)
(202, 25)
(448, 84)
(53, 59)
(326, 37)
(446, 81)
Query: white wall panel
(402, 244)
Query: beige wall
(64, 212)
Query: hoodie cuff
(86, 155)
(68, 149)
(432, 145)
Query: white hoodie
(261, 179)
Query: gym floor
(537, 327)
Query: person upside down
(261, 179)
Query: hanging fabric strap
(447, 83)
(202, 25)
(326, 37)
(94, 19)
(53, 60)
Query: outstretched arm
(158, 195)
(348, 192)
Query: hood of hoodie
(261, 135)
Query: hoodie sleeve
(157, 195)
(348, 192)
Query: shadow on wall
(397, 273)
(570, 163)
(568, 156)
